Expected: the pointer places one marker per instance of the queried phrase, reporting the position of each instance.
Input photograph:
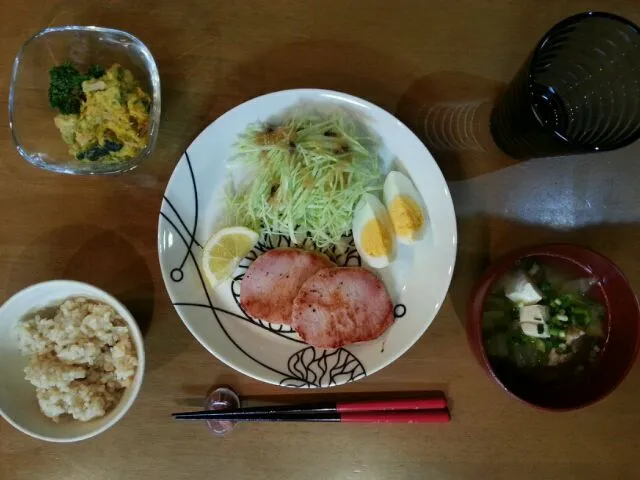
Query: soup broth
(545, 321)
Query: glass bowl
(30, 115)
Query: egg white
(396, 184)
(368, 208)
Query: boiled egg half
(373, 232)
(404, 205)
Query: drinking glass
(578, 92)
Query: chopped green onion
(581, 316)
(557, 332)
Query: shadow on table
(590, 200)
(106, 259)
(450, 112)
(93, 255)
(327, 64)
(482, 239)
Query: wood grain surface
(408, 57)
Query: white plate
(417, 281)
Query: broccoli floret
(96, 71)
(65, 86)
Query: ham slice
(342, 305)
(272, 282)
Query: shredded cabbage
(310, 173)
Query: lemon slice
(224, 251)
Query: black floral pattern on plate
(307, 367)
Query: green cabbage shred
(310, 171)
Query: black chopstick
(404, 416)
(430, 403)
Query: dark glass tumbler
(578, 92)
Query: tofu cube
(519, 288)
(533, 321)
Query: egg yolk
(406, 216)
(375, 238)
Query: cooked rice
(82, 358)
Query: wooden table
(406, 56)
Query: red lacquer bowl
(622, 322)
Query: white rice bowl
(81, 358)
(82, 355)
